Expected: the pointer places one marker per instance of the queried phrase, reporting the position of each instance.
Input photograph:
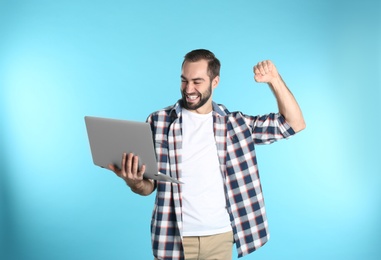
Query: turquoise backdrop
(62, 60)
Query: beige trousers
(215, 247)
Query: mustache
(184, 93)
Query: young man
(211, 150)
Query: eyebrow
(195, 79)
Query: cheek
(183, 86)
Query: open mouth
(192, 98)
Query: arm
(266, 72)
(133, 176)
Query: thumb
(258, 78)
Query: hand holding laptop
(132, 175)
(111, 138)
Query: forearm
(144, 188)
(287, 104)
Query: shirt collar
(218, 110)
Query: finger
(257, 78)
(141, 172)
(269, 66)
(123, 160)
(129, 165)
(266, 66)
(115, 169)
(135, 165)
(259, 69)
(256, 70)
(121, 172)
(257, 73)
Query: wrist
(134, 185)
(276, 83)
(142, 187)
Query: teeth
(192, 97)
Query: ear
(215, 82)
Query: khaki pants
(215, 247)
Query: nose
(188, 87)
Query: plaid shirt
(235, 135)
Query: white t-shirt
(203, 195)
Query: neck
(205, 109)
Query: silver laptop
(110, 138)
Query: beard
(203, 98)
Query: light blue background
(62, 60)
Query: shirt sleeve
(269, 128)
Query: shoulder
(220, 109)
(166, 114)
(163, 111)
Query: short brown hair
(214, 64)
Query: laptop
(110, 138)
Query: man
(211, 150)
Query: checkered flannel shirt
(235, 135)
